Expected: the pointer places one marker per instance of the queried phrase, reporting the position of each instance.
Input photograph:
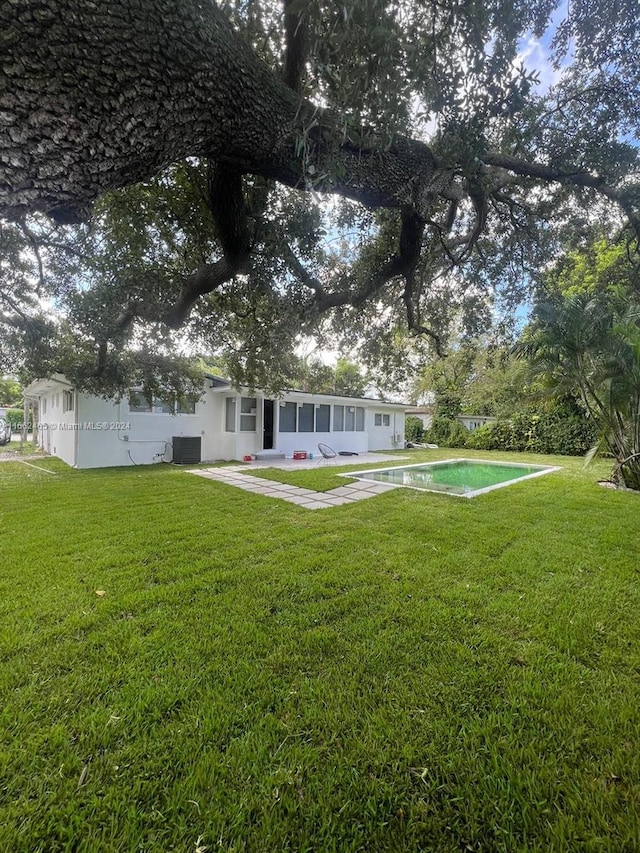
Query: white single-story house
(470, 422)
(86, 431)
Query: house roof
(419, 410)
(41, 386)
(220, 382)
(478, 417)
(217, 381)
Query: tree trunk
(97, 95)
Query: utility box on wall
(187, 450)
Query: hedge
(16, 419)
(562, 432)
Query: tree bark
(98, 95)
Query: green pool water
(463, 477)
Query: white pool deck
(240, 476)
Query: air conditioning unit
(187, 450)
(396, 438)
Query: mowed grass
(413, 672)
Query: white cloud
(535, 57)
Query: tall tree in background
(228, 122)
(476, 378)
(10, 391)
(312, 374)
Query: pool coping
(545, 469)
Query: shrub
(438, 432)
(568, 433)
(413, 429)
(447, 432)
(16, 418)
(561, 432)
(458, 435)
(483, 438)
(524, 436)
(564, 430)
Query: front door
(267, 425)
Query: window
(44, 405)
(359, 419)
(163, 406)
(377, 420)
(350, 419)
(386, 420)
(338, 418)
(288, 417)
(248, 408)
(305, 417)
(138, 402)
(186, 406)
(67, 401)
(323, 418)
(230, 414)
(382, 420)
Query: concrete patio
(240, 477)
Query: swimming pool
(464, 478)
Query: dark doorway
(267, 425)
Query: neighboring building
(470, 422)
(423, 413)
(86, 431)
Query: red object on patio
(299, 454)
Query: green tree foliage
(588, 343)
(453, 176)
(598, 268)
(476, 378)
(349, 380)
(10, 391)
(312, 374)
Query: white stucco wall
(472, 422)
(240, 443)
(382, 437)
(56, 432)
(106, 433)
(112, 435)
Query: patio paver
(306, 498)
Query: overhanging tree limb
(576, 178)
(96, 96)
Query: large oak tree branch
(96, 96)
(100, 95)
(401, 264)
(227, 204)
(295, 32)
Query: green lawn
(413, 672)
